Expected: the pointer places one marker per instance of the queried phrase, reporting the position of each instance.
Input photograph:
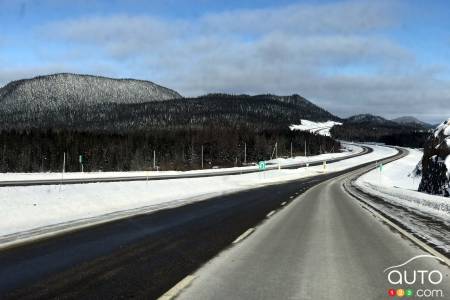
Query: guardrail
(57, 181)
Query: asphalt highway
(324, 245)
(319, 239)
(142, 256)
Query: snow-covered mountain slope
(436, 162)
(72, 91)
(322, 128)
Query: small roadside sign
(262, 165)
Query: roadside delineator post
(80, 159)
(63, 170)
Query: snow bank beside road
(36, 210)
(397, 173)
(395, 184)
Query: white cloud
(334, 54)
(343, 17)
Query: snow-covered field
(427, 216)
(32, 211)
(322, 128)
(349, 149)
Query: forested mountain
(117, 124)
(262, 111)
(368, 119)
(370, 128)
(412, 121)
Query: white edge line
(403, 232)
(244, 235)
(366, 204)
(176, 289)
(271, 214)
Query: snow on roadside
(349, 149)
(426, 216)
(397, 173)
(396, 185)
(24, 211)
(322, 128)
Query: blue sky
(383, 57)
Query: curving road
(320, 244)
(324, 245)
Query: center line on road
(244, 235)
(173, 292)
(270, 214)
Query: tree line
(176, 149)
(398, 135)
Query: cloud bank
(337, 55)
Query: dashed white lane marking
(176, 289)
(284, 203)
(270, 214)
(244, 235)
(291, 197)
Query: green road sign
(262, 165)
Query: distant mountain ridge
(368, 118)
(409, 120)
(84, 102)
(371, 128)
